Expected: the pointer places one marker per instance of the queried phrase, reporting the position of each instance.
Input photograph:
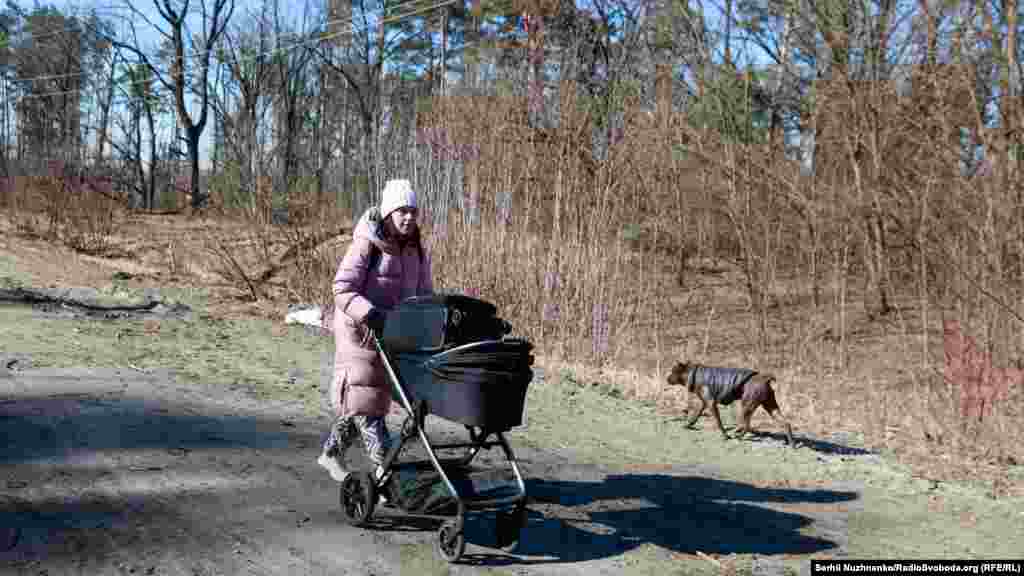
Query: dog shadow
(575, 521)
(815, 444)
(822, 446)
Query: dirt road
(126, 471)
(115, 471)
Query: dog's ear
(675, 376)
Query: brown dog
(716, 386)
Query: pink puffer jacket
(360, 385)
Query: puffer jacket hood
(370, 227)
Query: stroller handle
(391, 371)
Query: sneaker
(331, 464)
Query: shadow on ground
(574, 521)
(94, 531)
(591, 516)
(88, 479)
(816, 444)
(57, 426)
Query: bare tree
(407, 44)
(189, 55)
(48, 60)
(246, 51)
(6, 24)
(106, 100)
(291, 73)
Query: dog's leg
(718, 419)
(771, 406)
(781, 420)
(747, 410)
(693, 419)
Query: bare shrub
(234, 263)
(292, 260)
(92, 215)
(315, 237)
(176, 258)
(27, 205)
(67, 206)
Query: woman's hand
(375, 321)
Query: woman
(385, 263)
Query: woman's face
(403, 221)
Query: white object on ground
(307, 316)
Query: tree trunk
(288, 156)
(192, 135)
(931, 43)
(319, 135)
(3, 127)
(775, 132)
(377, 126)
(371, 131)
(472, 40)
(877, 261)
(342, 120)
(137, 152)
(444, 50)
(151, 183)
(104, 127)
(1013, 117)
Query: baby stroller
(449, 355)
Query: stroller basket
(479, 384)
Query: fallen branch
(309, 243)
(34, 296)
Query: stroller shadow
(684, 514)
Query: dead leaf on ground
(151, 326)
(968, 519)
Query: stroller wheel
(358, 498)
(450, 544)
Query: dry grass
(683, 243)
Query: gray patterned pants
(374, 432)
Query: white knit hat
(397, 194)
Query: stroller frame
(360, 490)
